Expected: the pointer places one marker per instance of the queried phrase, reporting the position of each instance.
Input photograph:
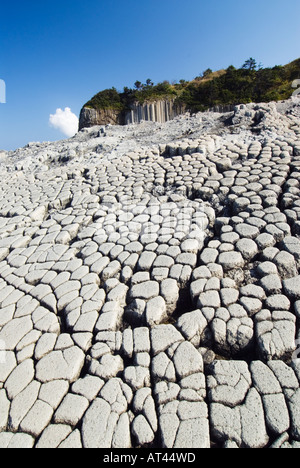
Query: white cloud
(64, 121)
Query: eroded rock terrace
(150, 287)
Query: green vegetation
(112, 99)
(250, 83)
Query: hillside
(242, 86)
(232, 86)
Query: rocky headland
(150, 284)
(160, 111)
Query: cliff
(90, 117)
(157, 111)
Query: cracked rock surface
(150, 285)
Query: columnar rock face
(157, 111)
(149, 285)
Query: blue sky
(57, 54)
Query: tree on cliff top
(250, 64)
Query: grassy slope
(223, 87)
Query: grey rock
(53, 392)
(276, 413)
(8, 363)
(142, 430)
(163, 368)
(12, 333)
(107, 367)
(293, 405)
(169, 290)
(253, 291)
(225, 423)
(281, 441)
(251, 305)
(244, 424)
(163, 261)
(265, 240)
(190, 246)
(253, 429)
(127, 343)
(192, 326)
(269, 254)
(140, 277)
(201, 272)
(163, 337)
(122, 437)
(231, 260)
(71, 410)
(21, 404)
(141, 340)
(89, 387)
(18, 380)
(16, 441)
(209, 299)
(137, 377)
(4, 410)
(117, 394)
(247, 231)
(37, 419)
(97, 417)
(286, 375)
(58, 365)
(267, 268)
(278, 302)
(54, 435)
(45, 345)
(286, 265)
(187, 259)
(292, 245)
(194, 433)
(209, 256)
(224, 164)
(156, 311)
(168, 424)
(197, 287)
(248, 248)
(264, 379)
(228, 383)
(118, 294)
(146, 260)
(229, 296)
(144, 291)
(271, 284)
(292, 288)
(275, 334)
(187, 360)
